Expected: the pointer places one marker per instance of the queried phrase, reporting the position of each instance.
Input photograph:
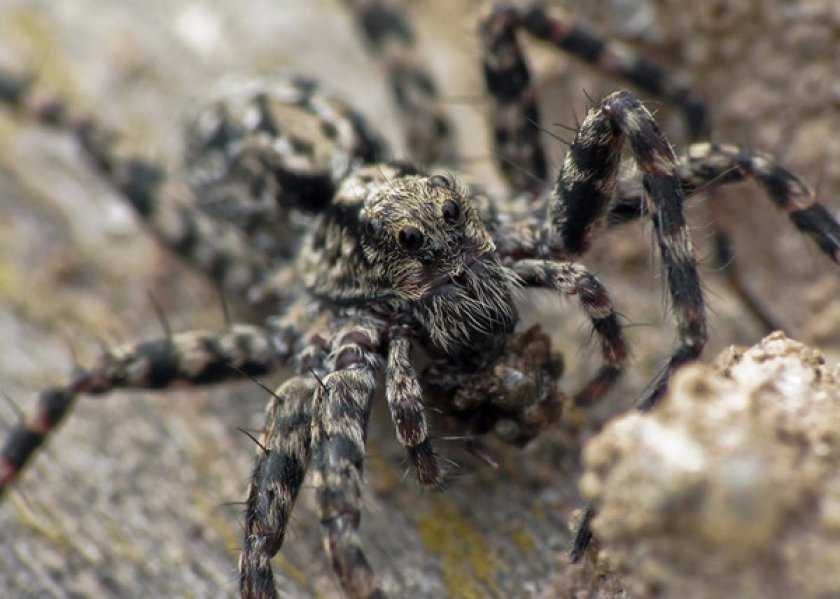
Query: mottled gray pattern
(128, 500)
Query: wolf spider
(292, 204)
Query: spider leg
(405, 401)
(262, 147)
(390, 38)
(514, 113)
(621, 116)
(162, 203)
(514, 110)
(713, 164)
(276, 480)
(573, 279)
(194, 357)
(706, 166)
(338, 440)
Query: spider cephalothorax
(414, 247)
(291, 205)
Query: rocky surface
(732, 486)
(131, 497)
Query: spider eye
(440, 181)
(372, 228)
(451, 212)
(410, 238)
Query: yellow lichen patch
(33, 33)
(387, 477)
(470, 564)
(292, 571)
(524, 541)
(7, 129)
(9, 280)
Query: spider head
(430, 248)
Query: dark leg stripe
(391, 41)
(275, 483)
(562, 29)
(405, 402)
(193, 357)
(574, 280)
(817, 222)
(210, 246)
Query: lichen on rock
(732, 486)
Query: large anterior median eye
(410, 238)
(451, 211)
(441, 181)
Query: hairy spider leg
(514, 111)
(516, 121)
(574, 280)
(405, 401)
(282, 461)
(338, 440)
(164, 204)
(262, 148)
(621, 116)
(391, 40)
(707, 166)
(193, 357)
(283, 458)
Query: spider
(292, 203)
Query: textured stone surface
(731, 487)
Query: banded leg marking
(391, 39)
(275, 483)
(405, 401)
(621, 116)
(166, 206)
(574, 280)
(338, 441)
(515, 112)
(195, 357)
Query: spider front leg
(574, 280)
(338, 439)
(194, 357)
(320, 419)
(621, 117)
(278, 474)
(405, 401)
(569, 228)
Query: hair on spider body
(291, 203)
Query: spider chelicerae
(291, 202)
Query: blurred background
(131, 497)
